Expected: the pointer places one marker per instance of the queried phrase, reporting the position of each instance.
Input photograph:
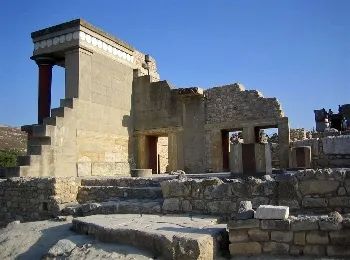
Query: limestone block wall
(31, 199)
(312, 236)
(311, 190)
(104, 119)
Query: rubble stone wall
(297, 134)
(31, 199)
(310, 236)
(232, 103)
(333, 151)
(309, 190)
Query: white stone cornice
(86, 38)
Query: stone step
(17, 171)
(28, 160)
(56, 121)
(67, 102)
(60, 111)
(39, 149)
(45, 140)
(122, 182)
(43, 130)
(103, 193)
(132, 206)
(171, 236)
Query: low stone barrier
(302, 235)
(30, 199)
(322, 190)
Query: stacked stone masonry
(308, 190)
(331, 151)
(314, 236)
(31, 199)
(317, 191)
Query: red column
(44, 94)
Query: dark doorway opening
(152, 153)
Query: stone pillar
(249, 135)
(284, 141)
(175, 151)
(142, 152)
(78, 70)
(216, 150)
(44, 87)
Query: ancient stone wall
(333, 151)
(31, 199)
(306, 190)
(305, 235)
(232, 103)
(155, 105)
(297, 134)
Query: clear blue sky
(295, 50)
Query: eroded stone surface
(175, 236)
(272, 212)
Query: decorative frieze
(86, 38)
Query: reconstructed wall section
(313, 236)
(305, 191)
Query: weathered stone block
(317, 237)
(314, 250)
(305, 174)
(292, 204)
(309, 187)
(299, 238)
(296, 250)
(171, 205)
(245, 210)
(341, 191)
(338, 250)
(272, 212)
(275, 224)
(340, 237)
(249, 248)
(326, 224)
(221, 207)
(238, 236)
(282, 236)
(339, 202)
(84, 169)
(258, 235)
(257, 201)
(287, 190)
(314, 202)
(175, 188)
(304, 224)
(276, 248)
(242, 224)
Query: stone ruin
(95, 158)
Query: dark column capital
(45, 61)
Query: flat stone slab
(272, 212)
(170, 236)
